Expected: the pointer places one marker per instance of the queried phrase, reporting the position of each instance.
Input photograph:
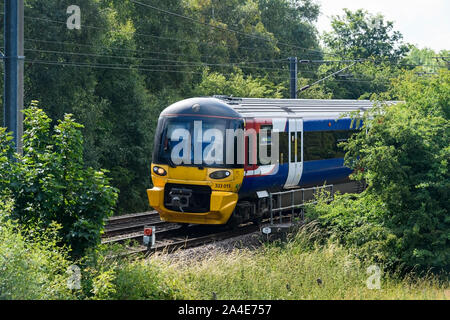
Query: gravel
(249, 241)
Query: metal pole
(271, 209)
(14, 61)
(293, 76)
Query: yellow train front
(201, 191)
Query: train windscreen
(196, 141)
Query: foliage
(355, 221)
(32, 264)
(428, 58)
(237, 85)
(360, 81)
(107, 274)
(49, 182)
(362, 35)
(426, 95)
(405, 159)
(402, 152)
(292, 23)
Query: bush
(403, 153)
(32, 266)
(107, 274)
(429, 96)
(405, 157)
(50, 183)
(355, 221)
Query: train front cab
(210, 201)
(202, 193)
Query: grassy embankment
(291, 271)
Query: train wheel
(183, 225)
(257, 221)
(233, 222)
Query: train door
(250, 146)
(295, 152)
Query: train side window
(267, 142)
(312, 145)
(299, 147)
(321, 145)
(284, 147)
(247, 151)
(342, 136)
(292, 139)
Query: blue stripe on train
(314, 173)
(256, 183)
(324, 125)
(319, 171)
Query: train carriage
(194, 190)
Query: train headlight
(222, 174)
(159, 171)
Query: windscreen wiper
(168, 148)
(171, 163)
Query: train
(217, 159)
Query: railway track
(194, 236)
(169, 236)
(121, 226)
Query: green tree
(427, 95)
(405, 156)
(237, 85)
(49, 182)
(405, 160)
(403, 153)
(359, 35)
(292, 24)
(360, 81)
(432, 61)
(93, 74)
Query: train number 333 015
(222, 185)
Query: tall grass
(32, 265)
(299, 269)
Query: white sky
(425, 23)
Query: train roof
(205, 106)
(305, 108)
(233, 108)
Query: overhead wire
(124, 67)
(141, 51)
(197, 42)
(327, 77)
(225, 29)
(186, 63)
(177, 63)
